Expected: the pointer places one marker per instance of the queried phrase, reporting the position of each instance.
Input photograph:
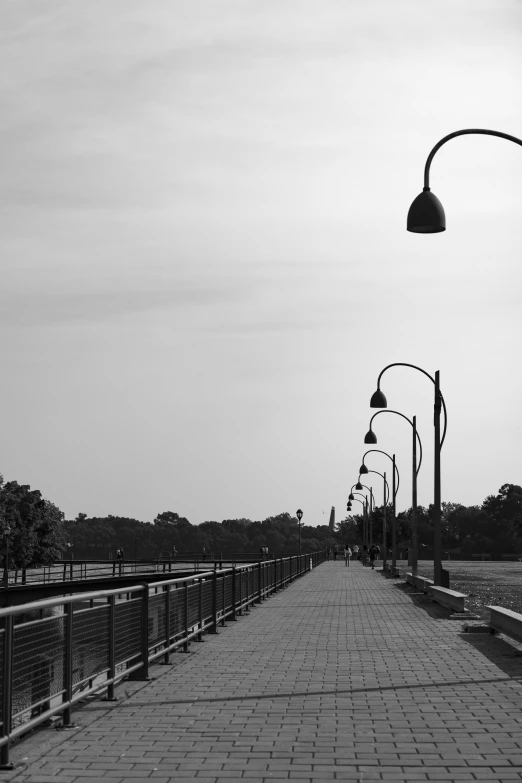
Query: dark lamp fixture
(363, 469)
(358, 485)
(351, 496)
(299, 514)
(348, 506)
(426, 214)
(378, 400)
(370, 437)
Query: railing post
(112, 648)
(143, 672)
(166, 658)
(214, 627)
(234, 594)
(7, 693)
(223, 601)
(68, 668)
(240, 610)
(259, 583)
(200, 635)
(186, 645)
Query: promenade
(344, 675)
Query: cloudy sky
(204, 259)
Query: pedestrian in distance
(364, 555)
(347, 555)
(356, 552)
(373, 555)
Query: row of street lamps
(425, 216)
(378, 400)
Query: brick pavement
(344, 675)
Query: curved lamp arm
(360, 501)
(462, 133)
(388, 410)
(386, 481)
(370, 490)
(390, 458)
(405, 364)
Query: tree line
(40, 534)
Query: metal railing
(56, 652)
(72, 570)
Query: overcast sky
(204, 259)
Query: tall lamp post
(7, 531)
(364, 504)
(299, 515)
(426, 214)
(378, 400)
(371, 437)
(369, 533)
(395, 488)
(386, 496)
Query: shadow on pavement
(423, 601)
(500, 652)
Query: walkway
(343, 676)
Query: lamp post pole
(394, 519)
(437, 526)
(414, 538)
(299, 515)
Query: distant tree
(36, 524)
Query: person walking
(373, 555)
(364, 555)
(347, 555)
(356, 552)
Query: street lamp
(386, 496)
(426, 214)
(7, 531)
(365, 509)
(365, 535)
(395, 489)
(415, 473)
(378, 400)
(299, 515)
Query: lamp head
(370, 437)
(378, 400)
(358, 485)
(299, 514)
(351, 496)
(348, 506)
(363, 469)
(426, 214)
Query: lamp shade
(351, 496)
(358, 485)
(348, 506)
(378, 400)
(363, 469)
(426, 214)
(370, 437)
(299, 514)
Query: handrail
(131, 634)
